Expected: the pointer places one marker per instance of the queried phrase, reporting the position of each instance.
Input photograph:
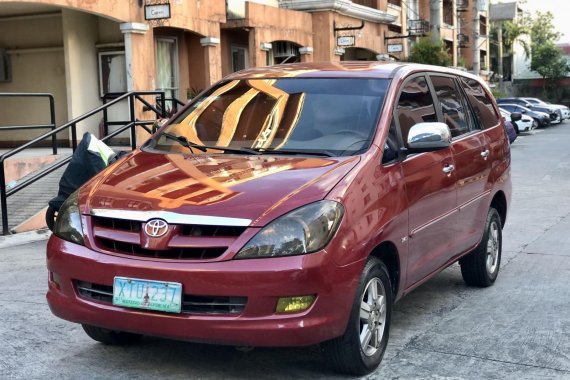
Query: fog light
(294, 304)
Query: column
(212, 59)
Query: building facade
(81, 50)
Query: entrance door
(167, 69)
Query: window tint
(481, 103)
(451, 103)
(415, 105)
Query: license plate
(147, 294)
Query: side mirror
(516, 116)
(425, 137)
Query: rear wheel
(481, 267)
(111, 337)
(360, 350)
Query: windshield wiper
(294, 151)
(182, 140)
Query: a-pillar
(139, 57)
(212, 59)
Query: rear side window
(415, 105)
(480, 102)
(451, 103)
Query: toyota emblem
(156, 227)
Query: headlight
(305, 230)
(68, 222)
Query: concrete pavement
(517, 329)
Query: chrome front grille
(187, 242)
(195, 304)
(172, 253)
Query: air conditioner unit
(5, 66)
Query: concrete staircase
(26, 208)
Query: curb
(24, 238)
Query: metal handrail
(34, 126)
(72, 124)
(159, 108)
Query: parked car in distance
(554, 114)
(564, 109)
(525, 124)
(288, 206)
(511, 130)
(542, 119)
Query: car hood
(251, 187)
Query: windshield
(335, 116)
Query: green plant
(191, 92)
(429, 52)
(498, 93)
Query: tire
(51, 214)
(110, 337)
(346, 353)
(481, 266)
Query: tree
(430, 52)
(546, 58)
(547, 61)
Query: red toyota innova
(288, 206)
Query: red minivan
(288, 206)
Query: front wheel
(111, 337)
(481, 267)
(360, 350)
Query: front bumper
(262, 281)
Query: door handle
(447, 169)
(485, 154)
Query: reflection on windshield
(293, 114)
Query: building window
(395, 29)
(395, 2)
(483, 26)
(367, 3)
(166, 58)
(285, 52)
(239, 58)
(112, 72)
(448, 12)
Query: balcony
(418, 27)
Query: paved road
(517, 329)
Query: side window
(452, 106)
(415, 105)
(480, 102)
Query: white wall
(521, 65)
(80, 35)
(35, 47)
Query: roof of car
(343, 69)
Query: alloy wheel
(372, 316)
(492, 248)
